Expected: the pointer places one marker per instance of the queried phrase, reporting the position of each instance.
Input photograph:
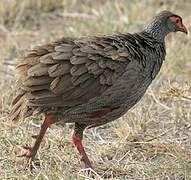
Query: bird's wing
(70, 72)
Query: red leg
(31, 151)
(78, 143)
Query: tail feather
(20, 109)
(33, 78)
(15, 116)
(19, 95)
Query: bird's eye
(177, 21)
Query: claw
(27, 153)
(22, 155)
(34, 136)
(29, 164)
(27, 148)
(87, 162)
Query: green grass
(152, 141)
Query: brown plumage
(92, 80)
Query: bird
(89, 81)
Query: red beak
(183, 29)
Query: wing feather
(68, 72)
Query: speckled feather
(77, 77)
(90, 80)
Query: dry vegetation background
(153, 140)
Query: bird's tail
(19, 108)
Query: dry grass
(153, 140)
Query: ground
(152, 141)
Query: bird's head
(164, 23)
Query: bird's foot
(29, 154)
(87, 162)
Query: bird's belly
(112, 105)
(104, 114)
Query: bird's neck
(156, 30)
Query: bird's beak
(183, 29)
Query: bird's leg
(31, 151)
(77, 137)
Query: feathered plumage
(92, 80)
